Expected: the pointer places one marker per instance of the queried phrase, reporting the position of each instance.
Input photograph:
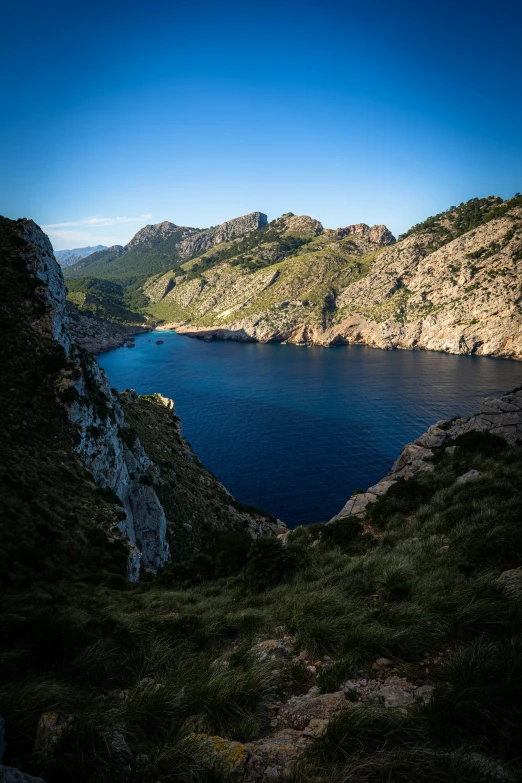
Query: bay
(295, 430)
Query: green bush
(271, 562)
(345, 533)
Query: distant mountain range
(70, 257)
(451, 283)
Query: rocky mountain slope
(52, 386)
(70, 257)
(156, 248)
(451, 284)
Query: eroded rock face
(111, 451)
(96, 412)
(152, 232)
(232, 229)
(38, 254)
(462, 297)
(97, 335)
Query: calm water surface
(294, 430)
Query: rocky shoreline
(97, 335)
(500, 416)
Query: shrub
(345, 533)
(270, 562)
(54, 361)
(475, 442)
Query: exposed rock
(392, 692)
(97, 335)
(152, 232)
(50, 728)
(471, 475)
(511, 581)
(500, 416)
(395, 693)
(300, 224)
(232, 229)
(299, 710)
(461, 297)
(233, 758)
(381, 235)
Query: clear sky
(116, 114)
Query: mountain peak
(152, 231)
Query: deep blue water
(294, 430)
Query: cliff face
(78, 389)
(438, 288)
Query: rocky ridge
(112, 454)
(70, 257)
(437, 288)
(161, 245)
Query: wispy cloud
(65, 238)
(98, 221)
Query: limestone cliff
(451, 284)
(77, 388)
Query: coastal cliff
(44, 364)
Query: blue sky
(125, 113)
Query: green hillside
(456, 221)
(149, 257)
(113, 300)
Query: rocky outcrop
(500, 416)
(301, 720)
(97, 335)
(195, 240)
(379, 234)
(92, 407)
(203, 240)
(153, 232)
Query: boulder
(50, 728)
(471, 475)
